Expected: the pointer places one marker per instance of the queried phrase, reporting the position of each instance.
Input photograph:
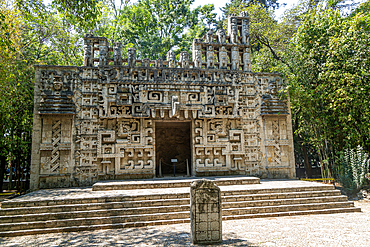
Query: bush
(353, 171)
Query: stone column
(221, 36)
(197, 54)
(88, 51)
(205, 212)
(222, 58)
(209, 37)
(171, 58)
(234, 31)
(131, 57)
(210, 57)
(159, 62)
(184, 59)
(103, 53)
(245, 31)
(117, 53)
(235, 58)
(36, 134)
(247, 60)
(145, 62)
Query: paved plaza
(345, 229)
(87, 192)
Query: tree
(16, 93)
(269, 38)
(329, 83)
(27, 37)
(156, 26)
(34, 33)
(323, 52)
(238, 4)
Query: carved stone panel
(277, 144)
(205, 212)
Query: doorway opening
(173, 151)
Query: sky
(218, 4)
(278, 13)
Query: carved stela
(117, 118)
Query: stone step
(144, 214)
(293, 213)
(278, 202)
(161, 202)
(90, 200)
(285, 208)
(90, 210)
(82, 211)
(170, 183)
(22, 214)
(16, 231)
(94, 221)
(164, 196)
(285, 195)
(276, 190)
(93, 206)
(93, 213)
(92, 227)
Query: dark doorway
(172, 142)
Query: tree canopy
(322, 48)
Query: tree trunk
(2, 171)
(307, 164)
(10, 184)
(18, 172)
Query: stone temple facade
(117, 118)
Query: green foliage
(323, 51)
(330, 79)
(34, 33)
(329, 85)
(16, 91)
(269, 38)
(82, 13)
(235, 4)
(354, 166)
(154, 27)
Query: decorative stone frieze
(103, 120)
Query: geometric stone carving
(55, 156)
(99, 121)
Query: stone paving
(346, 229)
(57, 194)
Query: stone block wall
(98, 121)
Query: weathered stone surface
(205, 212)
(100, 121)
(77, 209)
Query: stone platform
(171, 182)
(76, 209)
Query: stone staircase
(164, 203)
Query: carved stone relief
(98, 121)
